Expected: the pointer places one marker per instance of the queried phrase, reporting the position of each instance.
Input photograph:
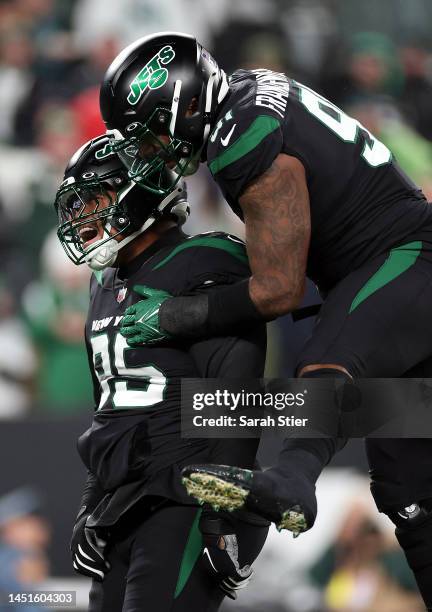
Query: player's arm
(277, 218)
(271, 190)
(276, 210)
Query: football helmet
(158, 100)
(100, 210)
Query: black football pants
(156, 562)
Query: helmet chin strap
(223, 90)
(104, 252)
(224, 87)
(208, 105)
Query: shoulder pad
(213, 240)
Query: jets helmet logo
(106, 151)
(153, 75)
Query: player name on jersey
(272, 90)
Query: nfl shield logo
(121, 295)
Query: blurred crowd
(53, 54)
(24, 538)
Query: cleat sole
(228, 496)
(294, 521)
(219, 494)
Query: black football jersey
(361, 201)
(135, 434)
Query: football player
(143, 540)
(320, 196)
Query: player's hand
(221, 556)
(140, 324)
(88, 550)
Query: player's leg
(285, 493)
(374, 323)
(401, 473)
(165, 546)
(167, 571)
(107, 596)
(401, 484)
(152, 553)
(145, 552)
(158, 563)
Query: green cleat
(209, 489)
(230, 488)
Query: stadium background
(374, 59)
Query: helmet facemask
(90, 209)
(147, 148)
(113, 210)
(100, 210)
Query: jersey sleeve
(216, 259)
(232, 357)
(241, 357)
(221, 259)
(243, 148)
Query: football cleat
(231, 488)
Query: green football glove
(140, 324)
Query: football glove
(88, 549)
(221, 555)
(140, 325)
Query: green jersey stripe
(256, 132)
(236, 249)
(190, 555)
(399, 260)
(98, 276)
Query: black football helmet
(158, 100)
(100, 209)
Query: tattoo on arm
(277, 218)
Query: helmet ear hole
(120, 221)
(159, 123)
